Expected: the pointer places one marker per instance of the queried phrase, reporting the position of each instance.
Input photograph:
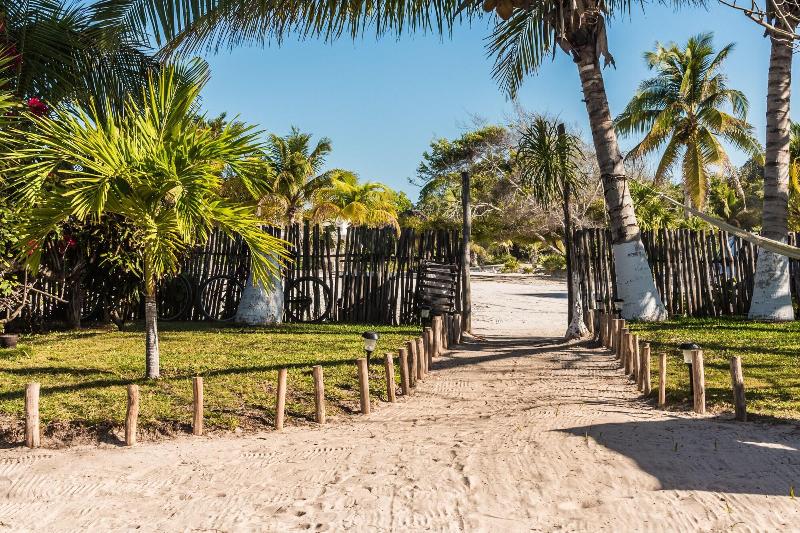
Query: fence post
(131, 415)
(411, 346)
(624, 344)
(662, 380)
(197, 415)
(363, 384)
(389, 367)
(426, 357)
(635, 361)
(737, 381)
(590, 321)
(32, 436)
(646, 380)
(319, 394)
(280, 400)
(405, 384)
(698, 375)
(436, 325)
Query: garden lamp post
(370, 342)
(686, 349)
(424, 313)
(618, 306)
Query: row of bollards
(635, 358)
(416, 361)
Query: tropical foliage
(345, 199)
(150, 165)
(687, 109)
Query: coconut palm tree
(520, 44)
(296, 174)
(772, 299)
(362, 204)
(687, 108)
(62, 50)
(151, 164)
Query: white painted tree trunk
(635, 285)
(260, 305)
(772, 298)
(577, 328)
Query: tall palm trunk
(634, 279)
(152, 354)
(772, 299)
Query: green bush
(554, 262)
(527, 270)
(511, 265)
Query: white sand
(516, 434)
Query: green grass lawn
(770, 361)
(84, 374)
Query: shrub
(511, 265)
(554, 262)
(527, 270)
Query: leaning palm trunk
(772, 298)
(634, 279)
(152, 354)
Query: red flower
(37, 106)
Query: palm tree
(683, 107)
(297, 174)
(520, 45)
(150, 164)
(772, 299)
(362, 204)
(63, 50)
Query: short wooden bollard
(457, 327)
(132, 415)
(590, 322)
(197, 415)
(280, 398)
(443, 330)
(647, 384)
(635, 361)
(427, 339)
(437, 334)
(423, 353)
(662, 380)
(699, 377)
(421, 361)
(613, 335)
(319, 394)
(623, 350)
(416, 373)
(622, 345)
(405, 383)
(363, 384)
(388, 365)
(737, 382)
(32, 438)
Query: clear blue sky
(382, 102)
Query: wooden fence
(371, 273)
(697, 272)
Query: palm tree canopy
(363, 204)
(688, 107)
(62, 50)
(152, 164)
(297, 171)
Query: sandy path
(516, 434)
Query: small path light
(686, 349)
(618, 306)
(370, 342)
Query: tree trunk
(152, 354)
(772, 299)
(634, 279)
(577, 326)
(260, 305)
